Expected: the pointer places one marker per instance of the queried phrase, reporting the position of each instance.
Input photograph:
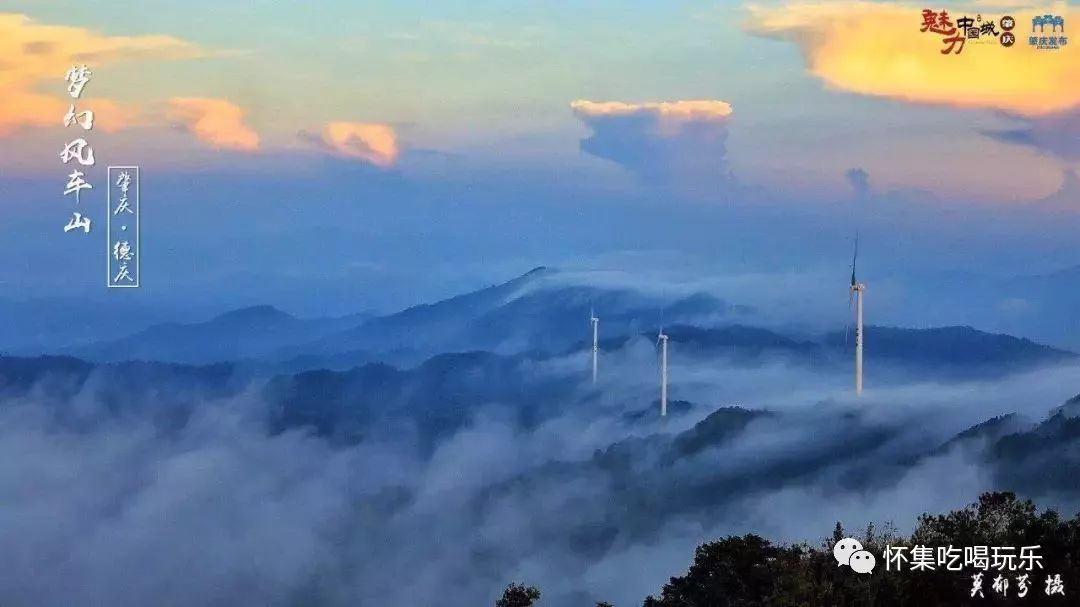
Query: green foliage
(999, 519)
(518, 595)
(750, 571)
(730, 571)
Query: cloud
(35, 57)
(668, 110)
(659, 140)
(859, 180)
(254, 513)
(371, 142)
(217, 122)
(1064, 199)
(878, 49)
(258, 517)
(1057, 134)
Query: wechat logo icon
(849, 551)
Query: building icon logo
(1054, 21)
(1048, 32)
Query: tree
(733, 571)
(518, 595)
(838, 532)
(997, 519)
(749, 571)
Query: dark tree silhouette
(750, 571)
(734, 571)
(518, 595)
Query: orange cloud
(217, 122)
(35, 57)
(371, 142)
(877, 49)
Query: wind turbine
(661, 340)
(856, 293)
(595, 341)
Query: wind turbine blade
(851, 291)
(854, 259)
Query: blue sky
(459, 161)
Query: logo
(966, 30)
(1053, 39)
(978, 31)
(849, 551)
(939, 23)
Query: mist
(224, 509)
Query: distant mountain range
(248, 333)
(1042, 307)
(40, 325)
(499, 376)
(702, 470)
(535, 311)
(939, 352)
(653, 471)
(542, 312)
(957, 347)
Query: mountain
(539, 310)
(435, 398)
(944, 348)
(1041, 307)
(247, 333)
(936, 352)
(1042, 458)
(553, 315)
(33, 326)
(719, 426)
(729, 458)
(990, 430)
(80, 394)
(545, 310)
(739, 342)
(649, 472)
(431, 328)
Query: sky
(362, 155)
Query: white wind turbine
(661, 341)
(595, 341)
(856, 292)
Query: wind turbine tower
(595, 342)
(661, 340)
(856, 292)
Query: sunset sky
(354, 150)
